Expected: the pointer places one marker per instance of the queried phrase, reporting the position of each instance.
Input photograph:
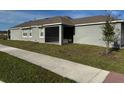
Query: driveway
(72, 70)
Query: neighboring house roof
(58, 19)
(64, 20)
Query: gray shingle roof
(92, 19)
(58, 19)
(64, 20)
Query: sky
(10, 18)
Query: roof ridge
(70, 19)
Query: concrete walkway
(65, 68)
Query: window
(41, 34)
(27, 32)
(24, 34)
(30, 33)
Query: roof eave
(35, 26)
(95, 23)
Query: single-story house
(63, 29)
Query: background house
(4, 35)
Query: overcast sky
(11, 18)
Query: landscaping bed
(15, 70)
(84, 54)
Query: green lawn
(15, 70)
(84, 54)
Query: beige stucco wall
(17, 34)
(91, 34)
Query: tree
(108, 32)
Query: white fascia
(95, 23)
(52, 24)
(19, 28)
(35, 26)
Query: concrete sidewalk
(65, 68)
